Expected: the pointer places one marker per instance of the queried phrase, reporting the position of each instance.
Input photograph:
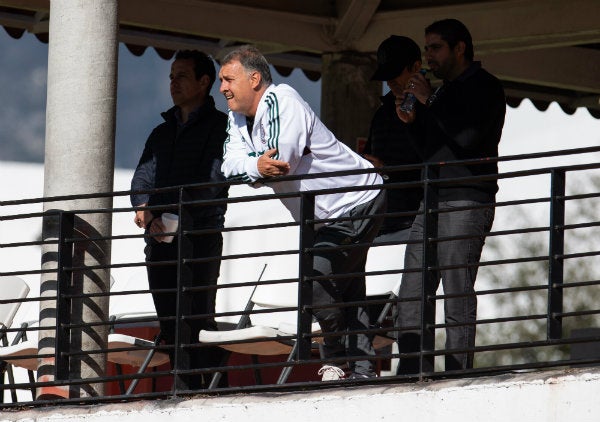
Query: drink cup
(170, 221)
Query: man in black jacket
(186, 149)
(462, 120)
(391, 141)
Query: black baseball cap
(394, 55)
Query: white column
(79, 159)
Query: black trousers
(341, 290)
(200, 303)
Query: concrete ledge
(535, 396)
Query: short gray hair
(251, 60)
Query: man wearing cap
(391, 141)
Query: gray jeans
(341, 290)
(460, 279)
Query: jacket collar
(469, 71)
(172, 114)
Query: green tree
(580, 265)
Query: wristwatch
(432, 97)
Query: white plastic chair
(138, 350)
(22, 351)
(125, 349)
(260, 340)
(383, 258)
(263, 339)
(383, 339)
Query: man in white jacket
(273, 132)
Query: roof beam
(499, 26)
(230, 22)
(32, 5)
(571, 68)
(354, 17)
(34, 24)
(13, 20)
(166, 42)
(215, 49)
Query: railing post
(185, 274)
(66, 226)
(429, 259)
(555, 254)
(305, 284)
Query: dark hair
(395, 54)
(203, 64)
(452, 31)
(251, 60)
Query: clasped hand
(269, 167)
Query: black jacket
(465, 122)
(392, 141)
(177, 155)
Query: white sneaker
(331, 373)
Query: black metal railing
(514, 331)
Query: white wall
(552, 396)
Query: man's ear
(255, 80)
(416, 66)
(460, 48)
(204, 80)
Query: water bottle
(409, 100)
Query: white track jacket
(285, 121)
